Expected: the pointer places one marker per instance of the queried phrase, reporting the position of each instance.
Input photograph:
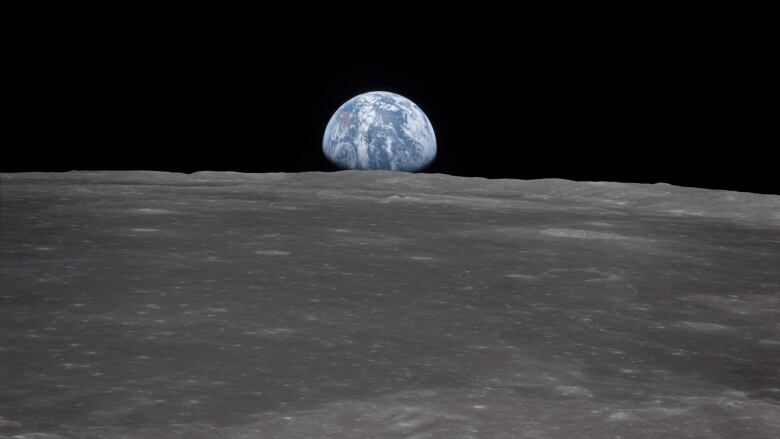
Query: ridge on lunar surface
(383, 305)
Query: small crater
(581, 234)
(704, 326)
(272, 252)
(277, 332)
(151, 211)
(568, 275)
(766, 342)
(622, 417)
(574, 392)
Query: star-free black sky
(651, 102)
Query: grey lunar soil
(384, 305)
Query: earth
(380, 131)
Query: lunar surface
(384, 305)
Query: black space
(658, 101)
